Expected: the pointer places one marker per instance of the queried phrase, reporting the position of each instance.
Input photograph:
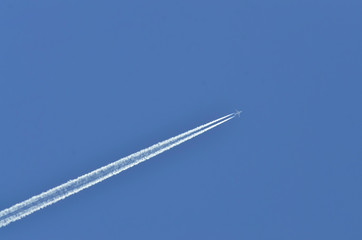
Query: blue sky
(85, 83)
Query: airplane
(237, 113)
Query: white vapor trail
(71, 187)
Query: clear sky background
(84, 83)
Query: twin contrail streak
(60, 192)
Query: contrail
(60, 192)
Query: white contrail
(158, 145)
(60, 192)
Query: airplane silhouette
(237, 113)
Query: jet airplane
(237, 113)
